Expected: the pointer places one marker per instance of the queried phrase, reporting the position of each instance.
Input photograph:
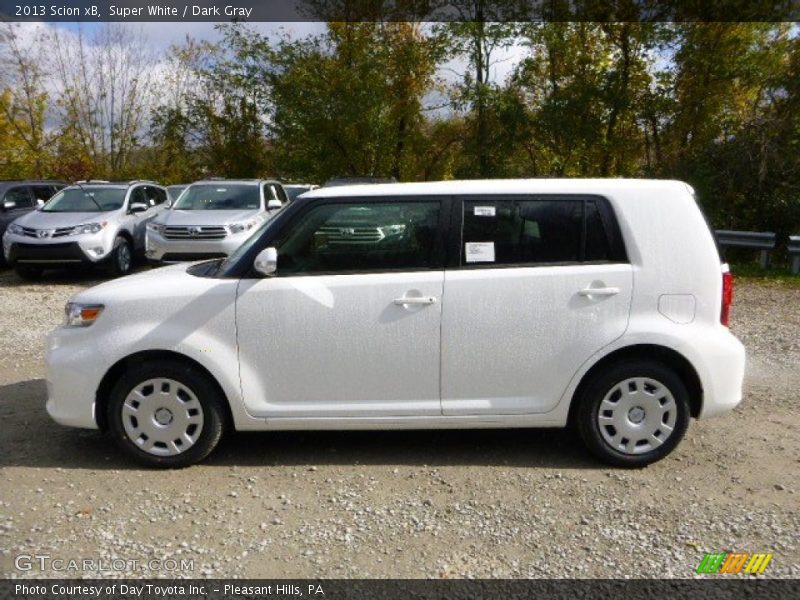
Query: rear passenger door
(540, 284)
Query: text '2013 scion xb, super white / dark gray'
(525, 303)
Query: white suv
(526, 303)
(211, 219)
(92, 223)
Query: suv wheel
(121, 258)
(28, 273)
(633, 414)
(166, 414)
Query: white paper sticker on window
(479, 252)
(484, 211)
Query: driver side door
(350, 325)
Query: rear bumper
(719, 358)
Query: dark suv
(22, 196)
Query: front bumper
(87, 250)
(73, 373)
(158, 248)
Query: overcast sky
(163, 35)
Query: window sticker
(484, 211)
(476, 252)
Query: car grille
(351, 235)
(50, 233)
(205, 232)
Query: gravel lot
(404, 504)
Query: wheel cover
(162, 417)
(124, 257)
(637, 415)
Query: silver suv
(89, 223)
(211, 219)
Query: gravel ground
(403, 504)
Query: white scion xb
(461, 304)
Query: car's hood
(52, 220)
(206, 217)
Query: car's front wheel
(120, 261)
(634, 413)
(166, 414)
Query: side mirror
(39, 202)
(138, 207)
(266, 262)
(9, 204)
(271, 204)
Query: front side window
(542, 231)
(370, 236)
(86, 199)
(19, 196)
(221, 196)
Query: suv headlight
(157, 227)
(243, 226)
(77, 314)
(15, 229)
(88, 228)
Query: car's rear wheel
(121, 259)
(28, 273)
(634, 413)
(166, 414)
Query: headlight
(244, 226)
(81, 315)
(15, 229)
(88, 228)
(157, 227)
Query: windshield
(294, 191)
(176, 190)
(220, 197)
(88, 199)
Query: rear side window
(534, 231)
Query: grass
(751, 272)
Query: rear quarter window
(537, 231)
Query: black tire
(199, 384)
(120, 261)
(28, 273)
(588, 417)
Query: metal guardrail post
(794, 254)
(763, 241)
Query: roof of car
(491, 186)
(235, 181)
(31, 182)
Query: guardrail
(794, 254)
(763, 241)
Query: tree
(106, 86)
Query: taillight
(727, 298)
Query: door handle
(415, 300)
(599, 291)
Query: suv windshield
(220, 196)
(88, 199)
